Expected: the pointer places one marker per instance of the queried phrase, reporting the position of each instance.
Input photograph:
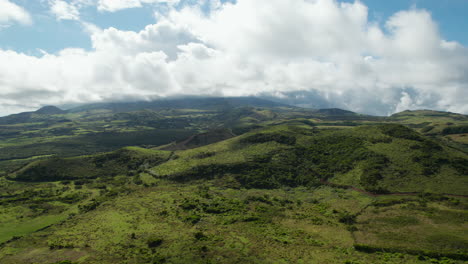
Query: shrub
(455, 130)
(400, 131)
(193, 219)
(461, 165)
(371, 171)
(200, 236)
(268, 137)
(89, 206)
(154, 241)
(427, 129)
(347, 218)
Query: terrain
(232, 180)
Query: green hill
(385, 158)
(122, 162)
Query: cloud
(63, 10)
(116, 5)
(319, 53)
(70, 10)
(163, 36)
(10, 12)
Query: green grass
(248, 226)
(21, 228)
(189, 160)
(414, 227)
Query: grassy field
(209, 223)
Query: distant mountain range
(200, 103)
(54, 114)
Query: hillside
(199, 140)
(247, 184)
(383, 158)
(107, 127)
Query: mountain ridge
(207, 103)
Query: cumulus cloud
(319, 53)
(163, 36)
(63, 10)
(10, 12)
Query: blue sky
(451, 15)
(369, 56)
(51, 35)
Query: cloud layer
(313, 52)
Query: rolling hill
(253, 182)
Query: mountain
(50, 110)
(44, 114)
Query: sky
(368, 56)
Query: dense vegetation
(232, 181)
(122, 162)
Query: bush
(461, 165)
(400, 131)
(89, 206)
(347, 218)
(154, 241)
(371, 171)
(268, 137)
(193, 219)
(455, 130)
(200, 236)
(427, 129)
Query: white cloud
(116, 5)
(164, 36)
(63, 10)
(312, 52)
(10, 12)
